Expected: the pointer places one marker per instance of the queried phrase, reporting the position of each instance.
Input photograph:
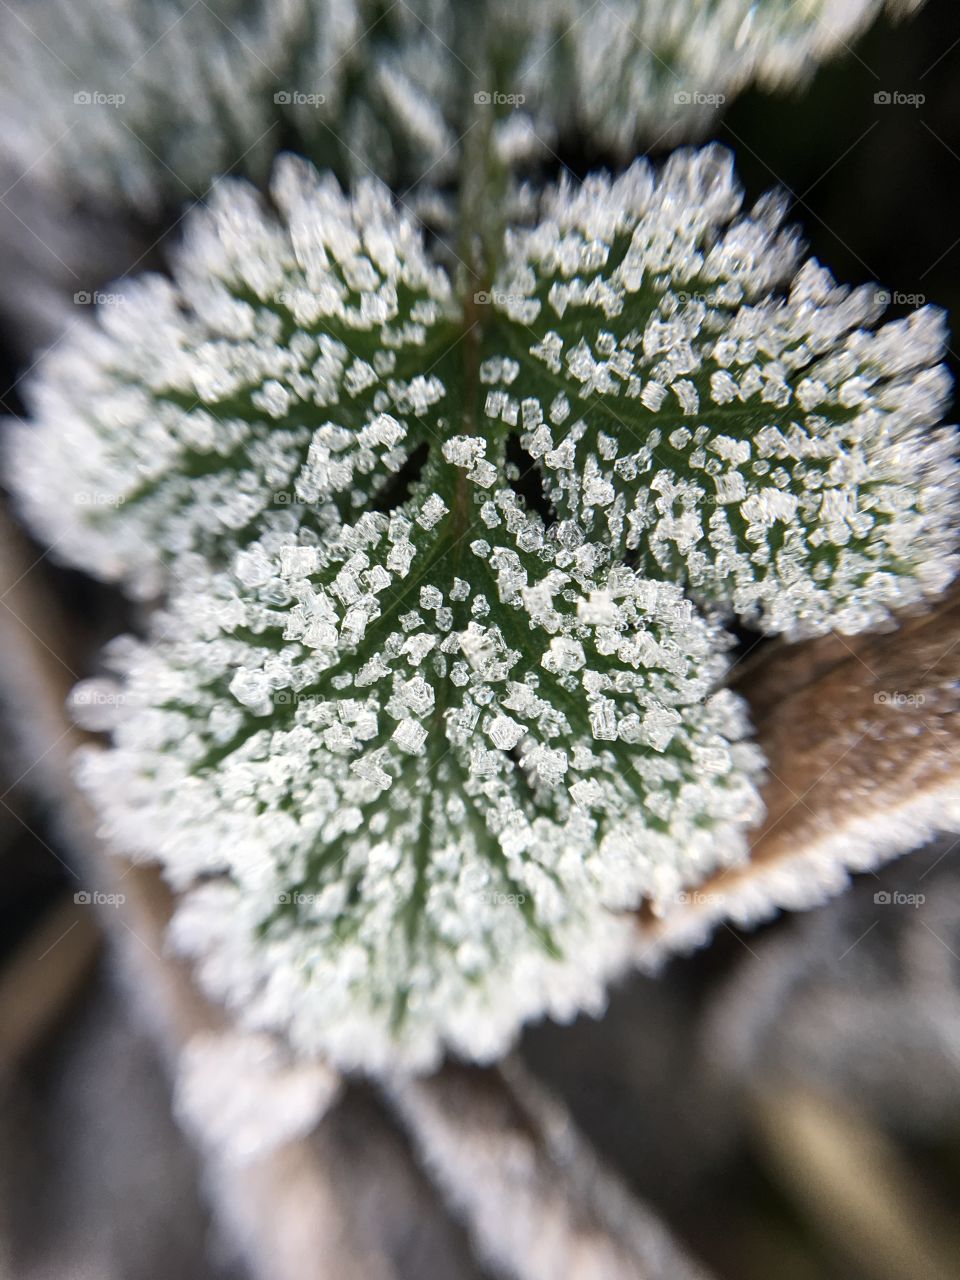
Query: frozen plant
(411, 738)
(144, 102)
(285, 364)
(691, 397)
(411, 807)
(733, 422)
(626, 71)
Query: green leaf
(290, 363)
(424, 764)
(415, 746)
(735, 427)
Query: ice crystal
(411, 750)
(734, 419)
(285, 364)
(157, 98)
(381, 858)
(635, 69)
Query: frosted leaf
(627, 70)
(158, 98)
(411, 753)
(161, 97)
(398, 808)
(242, 1099)
(229, 397)
(781, 456)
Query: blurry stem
(533, 1195)
(286, 1206)
(848, 1179)
(40, 982)
(483, 177)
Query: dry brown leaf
(862, 739)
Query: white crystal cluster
(735, 423)
(173, 93)
(287, 362)
(146, 101)
(630, 69)
(407, 777)
(411, 753)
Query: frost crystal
(159, 97)
(389, 858)
(411, 753)
(738, 422)
(283, 365)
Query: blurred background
(786, 1102)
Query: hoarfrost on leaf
(411, 752)
(160, 97)
(199, 408)
(630, 71)
(737, 419)
(499, 816)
